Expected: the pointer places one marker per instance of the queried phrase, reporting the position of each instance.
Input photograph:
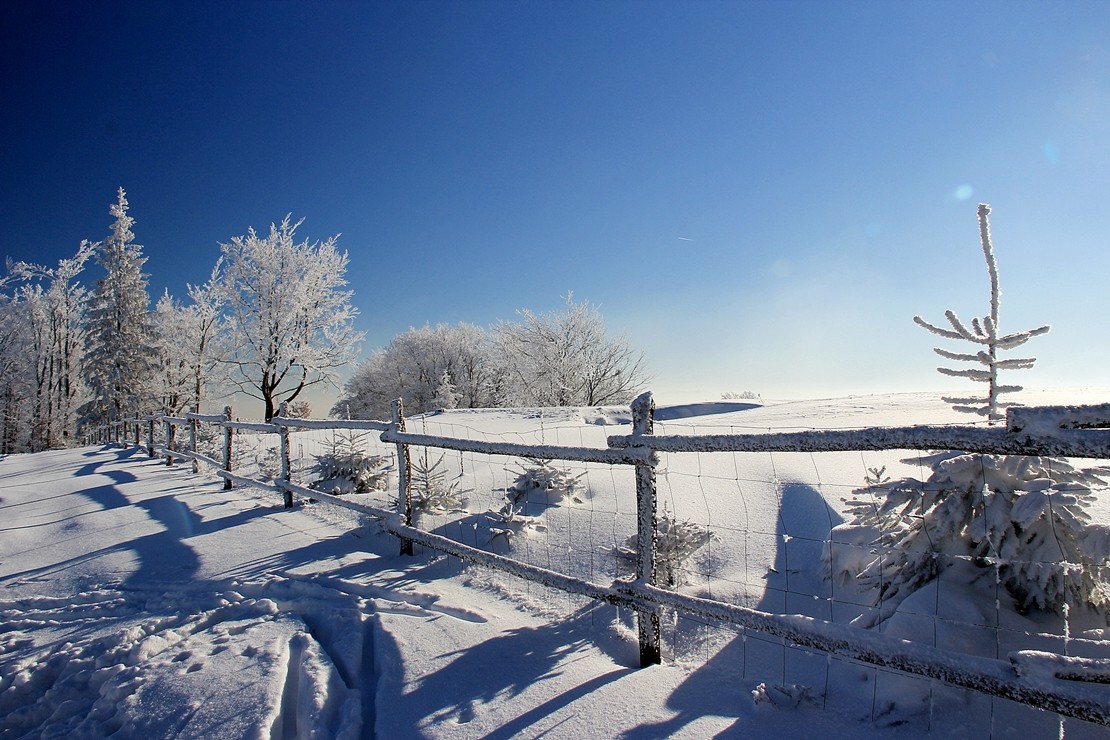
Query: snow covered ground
(145, 601)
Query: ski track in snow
(270, 655)
(127, 660)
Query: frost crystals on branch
(986, 333)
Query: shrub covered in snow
(346, 468)
(541, 475)
(431, 491)
(538, 475)
(676, 540)
(1024, 516)
(511, 520)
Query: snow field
(320, 607)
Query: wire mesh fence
(770, 531)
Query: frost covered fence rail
(1061, 432)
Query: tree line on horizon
(273, 319)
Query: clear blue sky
(759, 194)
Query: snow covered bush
(511, 520)
(268, 461)
(1026, 517)
(541, 475)
(538, 475)
(676, 540)
(431, 491)
(346, 468)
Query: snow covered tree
(53, 306)
(446, 397)
(298, 410)
(987, 334)
(1024, 516)
(291, 322)
(171, 386)
(15, 386)
(201, 331)
(431, 368)
(118, 363)
(346, 466)
(567, 358)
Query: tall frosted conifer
(118, 343)
(985, 333)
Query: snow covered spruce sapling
(985, 333)
(1023, 516)
(676, 541)
(431, 491)
(346, 468)
(538, 476)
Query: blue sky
(761, 195)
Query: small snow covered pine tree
(986, 333)
(1026, 517)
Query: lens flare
(1051, 154)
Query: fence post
(404, 475)
(171, 434)
(138, 430)
(193, 438)
(643, 422)
(150, 436)
(286, 467)
(227, 445)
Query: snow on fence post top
(643, 414)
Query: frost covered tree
(430, 368)
(171, 387)
(52, 303)
(118, 362)
(986, 334)
(567, 358)
(1025, 517)
(290, 320)
(201, 331)
(15, 374)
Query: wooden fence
(1065, 431)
